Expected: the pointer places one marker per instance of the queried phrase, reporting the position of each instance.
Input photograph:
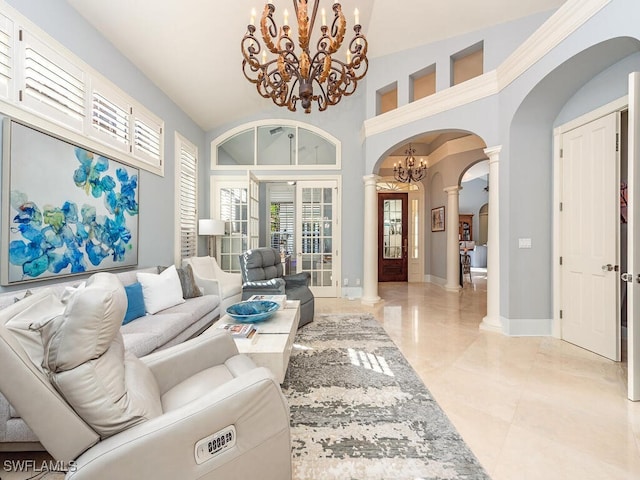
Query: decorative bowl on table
(252, 311)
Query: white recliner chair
(195, 410)
(215, 281)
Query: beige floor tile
(529, 456)
(530, 408)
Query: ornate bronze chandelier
(276, 67)
(410, 172)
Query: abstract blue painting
(66, 210)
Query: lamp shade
(209, 226)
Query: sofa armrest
(209, 286)
(172, 365)
(163, 447)
(298, 279)
(226, 277)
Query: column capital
(493, 152)
(453, 189)
(371, 179)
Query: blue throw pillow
(135, 307)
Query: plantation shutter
(51, 85)
(6, 56)
(110, 119)
(188, 199)
(147, 138)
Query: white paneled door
(633, 257)
(317, 235)
(589, 237)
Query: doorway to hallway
(392, 237)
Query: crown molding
(566, 20)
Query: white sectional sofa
(141, 336)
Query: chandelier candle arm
(409, 172)
(318, 76)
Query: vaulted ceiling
(191, 48)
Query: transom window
(276, 145)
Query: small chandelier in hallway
(276, 68)
(410, 172)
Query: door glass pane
(392, 234)
(233, 210)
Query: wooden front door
(392, 237)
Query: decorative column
(453, 245)
(492, 321)
(370, 243)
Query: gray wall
(64, 24)
(343, 121)
(584, 71)
(472, 196)
(498, 41)
(436, 246)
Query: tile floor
(530, 408)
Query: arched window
(276, 144)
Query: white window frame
(186, 184)
(120, 102)
(17, 33)
(72, 118)
(7, 56)
(143, 150)
(273, 122)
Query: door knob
(607, 268)
(626, 277)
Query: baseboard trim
(435, 280)
(527, 327)
(351, 293)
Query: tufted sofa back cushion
(86, 362)
(261, 263)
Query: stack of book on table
(239, 330)
(279, 299)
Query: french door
(316, 235)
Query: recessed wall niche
(387, 98)
(422, 83)
(467, 63)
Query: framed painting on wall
(437, 219)
(65, 210)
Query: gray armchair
(262, 274)
(112, 415)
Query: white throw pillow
(161, 291)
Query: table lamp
(212, 228)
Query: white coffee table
(271, 345)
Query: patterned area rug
(359, 411)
